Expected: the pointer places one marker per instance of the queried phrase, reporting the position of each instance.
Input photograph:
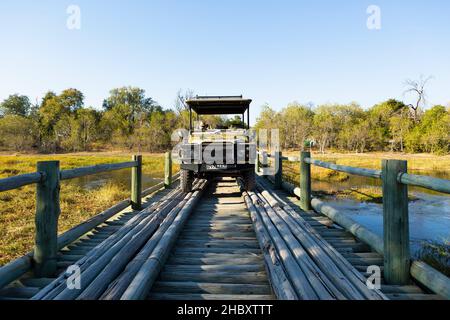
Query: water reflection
(119, 177)
(362, 182)
(429, 217)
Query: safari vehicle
(218, 152)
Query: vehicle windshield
(219, 106)
(215, 135)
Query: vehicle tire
(187, 178)
(249, 178)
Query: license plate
(217, 167)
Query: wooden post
(305, 182)
(46, 219)
(396, 223)
(279, 170)
(257, 162)
(168, 171)
(136, 184)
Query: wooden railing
(47, 179)
(395, 243)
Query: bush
(16, 133)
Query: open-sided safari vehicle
(218, 152)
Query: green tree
(127, 108)
(268, 119)
(432, 134)
(50, 113)
(296, 126)
(87, 127)
(213, 122)
(77, 131)
(325, 126)
(72, 99)
(360, 135)
(400, 125)
(234, 122)
(379, 117)
(15, 104)
(17, 133)
(349, 118)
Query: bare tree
(182, 97)
(417, 88)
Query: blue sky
(275, 52)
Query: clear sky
(275, 52)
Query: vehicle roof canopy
(219, 105)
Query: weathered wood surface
(46, 220)
(108, 262)
(436, 184)
(395, 224)
(136, 183)
(216, 253)
(127, 253)
(147, 274)
(210, 288)
(184, 296)
(168, 170)
(76, 232)
(203, 268)
(307, 279)
(278, 177)
(392, 291)
(305, 181)
(159, 186)
(22, 265)
(18, 268)
(86, 171)
(278, 278)
(337, 268)
(20, 181)
(117, 288)
(98, 254)
(338, 276)
(431, 278)
(15, 269)
(19, 292)
(349, 224)
(351, 170)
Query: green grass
(17, 207)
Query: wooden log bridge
(219, 242)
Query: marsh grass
(416, 163)
(17, 207)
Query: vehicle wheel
(249, 180)
(187, 178)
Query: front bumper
(229, 169)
